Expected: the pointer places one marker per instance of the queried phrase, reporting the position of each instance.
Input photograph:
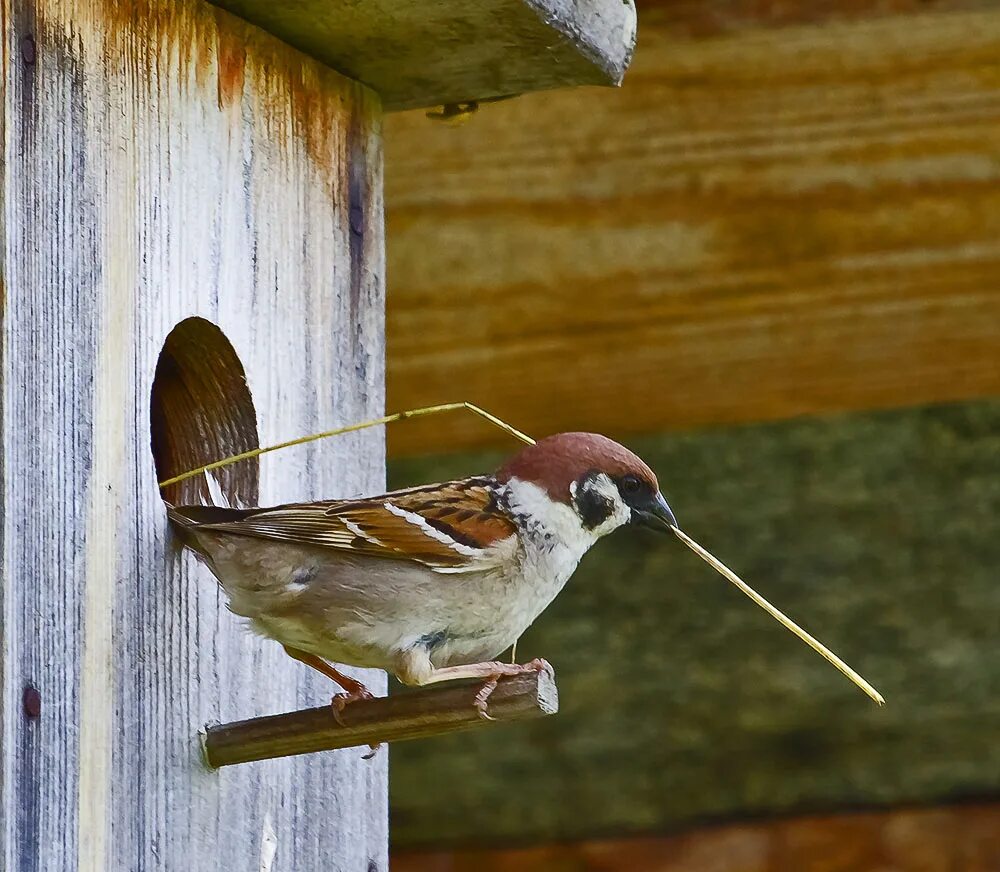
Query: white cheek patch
(528, 499)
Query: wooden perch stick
(429, 711)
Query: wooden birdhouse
(193, 265)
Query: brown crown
(555, 462)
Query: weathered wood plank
(418, 53)
(700, 19)
(417, 714)
(161, 160)
(680, 702)
(763, 224)
(959, 838)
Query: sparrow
(430, 583)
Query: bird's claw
(480, 699)
(539, 664)
(482, 696)
(341, 701)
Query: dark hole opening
(201, 411)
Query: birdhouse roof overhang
(420, 53)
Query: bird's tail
(186, 520)
(184, 526)
(190, 517)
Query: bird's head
(604, 483)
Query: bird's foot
(483, 695)
(341, 701)
(481, 699)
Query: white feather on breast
(551, 543)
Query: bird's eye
(631, 485)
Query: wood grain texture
(700, 19)
(163, 160)
(958, 838)
(761, 224)
(682, 703)
(418, 714)
(418, 53)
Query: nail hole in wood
(200, 411)
(28, 50)
(31, 701)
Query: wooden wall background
(789, 208)
(960, 838)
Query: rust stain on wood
(232, 55)
(212, 48)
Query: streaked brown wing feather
(445, 525)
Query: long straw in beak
(779, 616)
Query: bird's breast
(495, 609)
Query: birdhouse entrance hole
(201, 411)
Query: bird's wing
(457, 526)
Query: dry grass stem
(779, 616)
(386, 419)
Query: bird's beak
(657, 514)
